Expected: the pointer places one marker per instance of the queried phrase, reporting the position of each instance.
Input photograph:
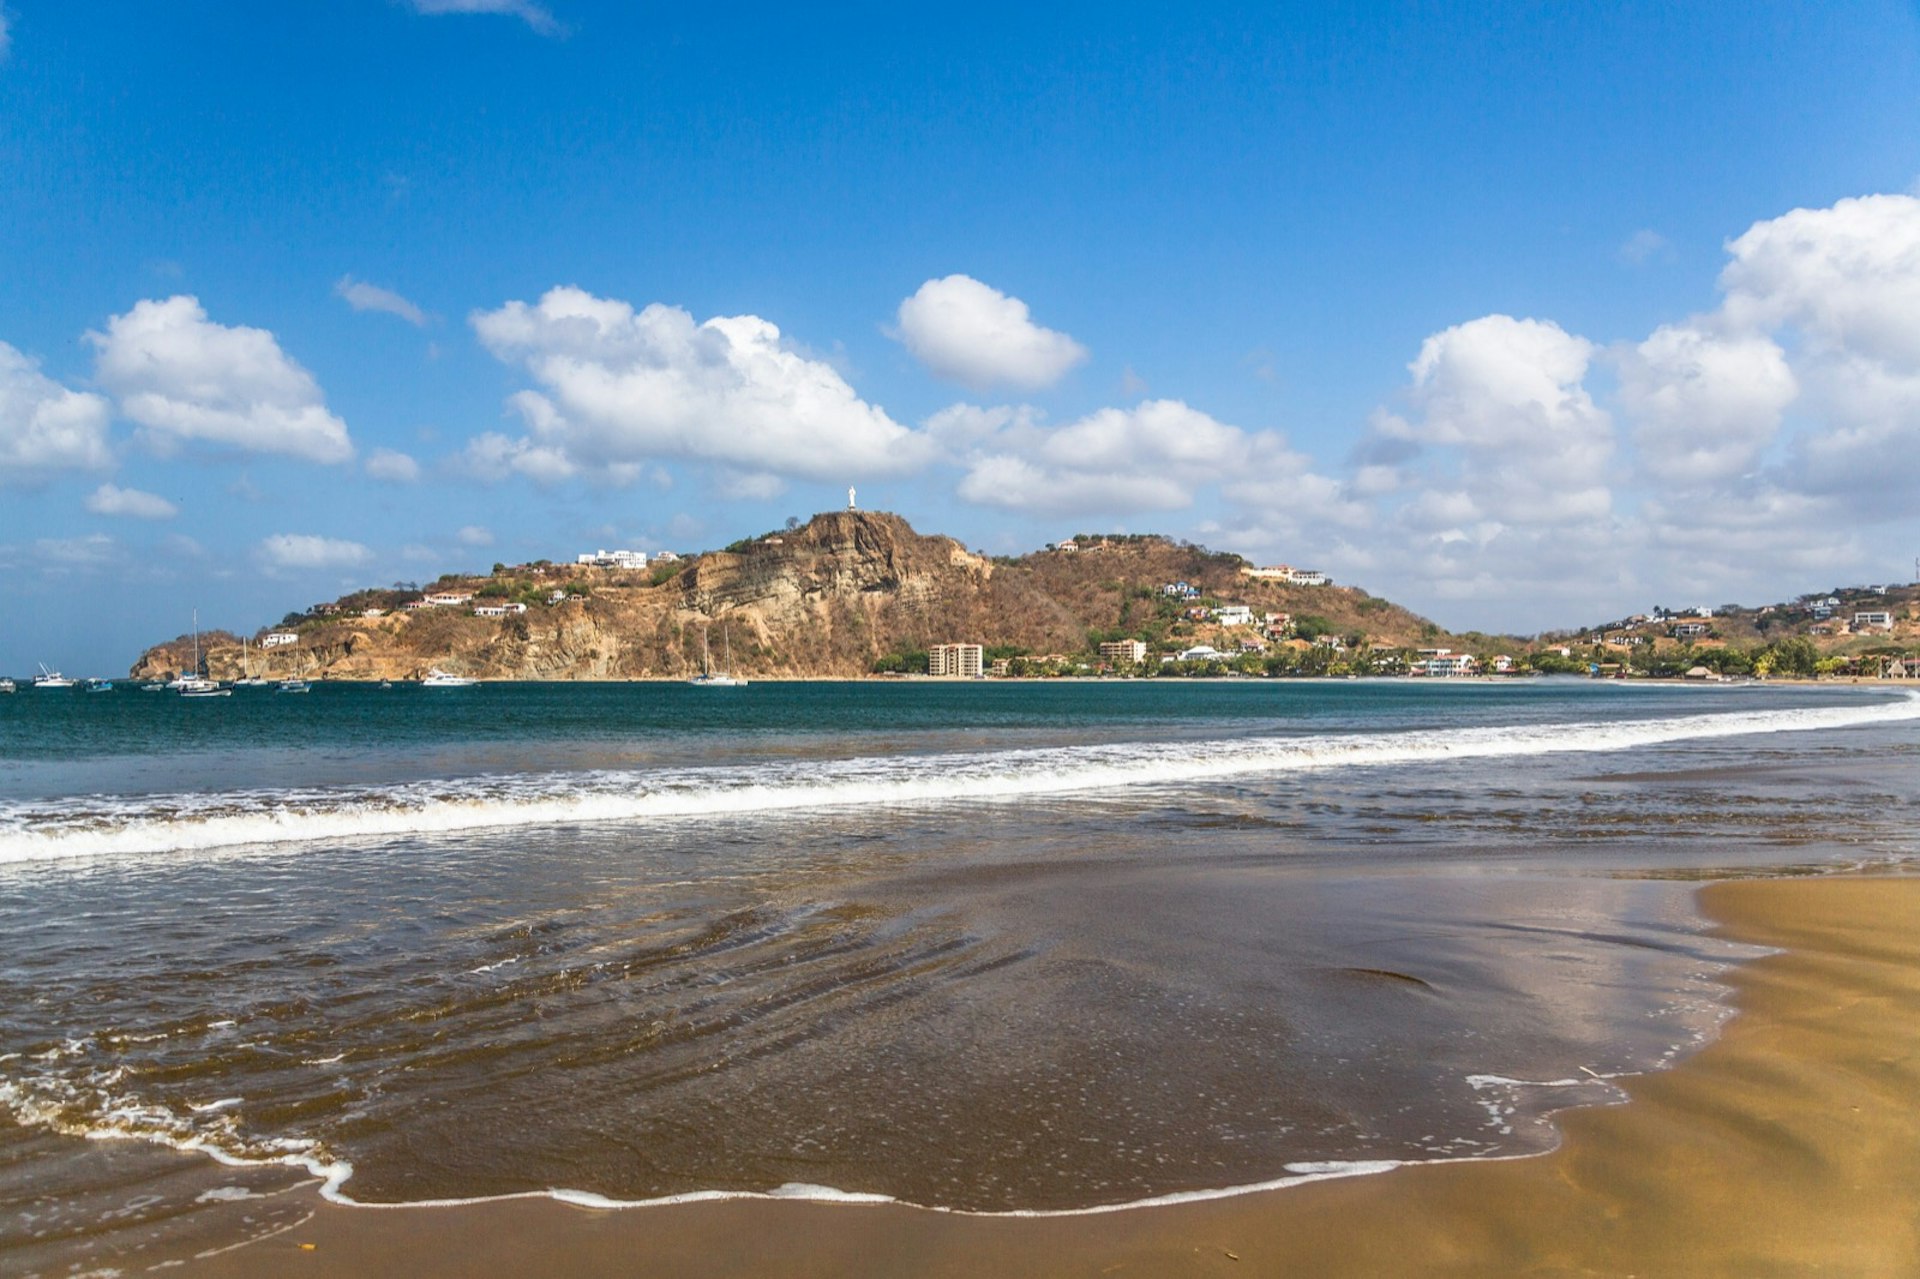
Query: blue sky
(1523, 315)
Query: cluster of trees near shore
(1793, 658)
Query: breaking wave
(101, 826)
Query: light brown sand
(1790, 1146)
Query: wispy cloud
(297, 551)
(111, 499)
(532, 14)
(1643, 246)
(362, 296)
(392, 466)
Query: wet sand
(1789, 1146)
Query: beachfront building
(1199, 653)
(960, 661)
(1123, 652)
(1441, 663)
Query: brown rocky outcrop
(822, 600)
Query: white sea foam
(106, 826)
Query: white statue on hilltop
(850, 505)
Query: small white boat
(51, 679)
(437, 678)
(723, 678)
(294, 686)
(7, 685)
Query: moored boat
(437, 678)
(723, 678)
(51, 679)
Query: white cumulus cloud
(1155, 456)
(1848, 276)
(617, 388)
(110, 499)
(392, 466)
(44, 426)
(972, 333)
(183, 377)
(305, 551)
(1706, 404)
(362, 296)
(1505, 399)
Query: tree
(1796, 656)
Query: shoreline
(1788, 1143)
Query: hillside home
(1233, 615)
(612, 559)
(1290, 575)
(448, 599)
(1873, 621)
(1687, 630)
(277, 638)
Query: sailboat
(708, 677)
(197, 684)
(247, 678)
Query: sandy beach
(1788, 1146)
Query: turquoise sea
(993, 947)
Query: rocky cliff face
(824, 600)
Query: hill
(843, 595)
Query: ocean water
(1002, 948)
